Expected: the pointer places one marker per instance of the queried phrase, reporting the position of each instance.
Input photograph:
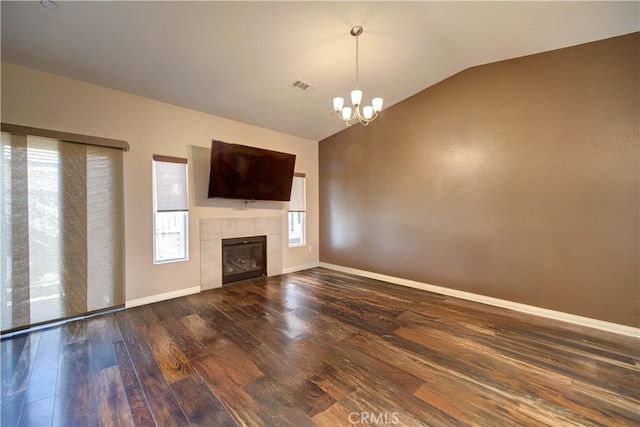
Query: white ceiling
(238, 59)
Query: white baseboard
(162, 297)
(300, 267)
(524, 308)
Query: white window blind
(171, 184)
(298, 200)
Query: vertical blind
(61, 229)
(298, 201)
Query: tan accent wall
(516, 180)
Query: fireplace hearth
(243, 258)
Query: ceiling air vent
(303, 86)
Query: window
(61, 226)
(297, 211)
(171, 209)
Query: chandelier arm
(357, 116)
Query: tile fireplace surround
(213, 230)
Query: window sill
(170, 261)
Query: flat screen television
(249, 173)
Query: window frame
(300, 210)
(168, 159)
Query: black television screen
(249, 173)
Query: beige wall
(34, 98)
(516, 180)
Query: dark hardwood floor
(319, 348)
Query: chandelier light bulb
(377, 104)
(352, 114)
(356, 97)
(367, 112)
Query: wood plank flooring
(322, 348)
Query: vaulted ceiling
(239, 59)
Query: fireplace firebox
(244, 258)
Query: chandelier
(352, 114)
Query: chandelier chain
(357, 66)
